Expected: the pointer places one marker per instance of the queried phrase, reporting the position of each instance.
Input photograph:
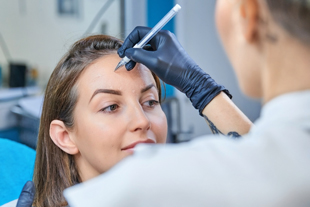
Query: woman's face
(244, 54)
(114, 112)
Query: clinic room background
(35, 34)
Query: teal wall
(157, 9)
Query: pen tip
(118, 66)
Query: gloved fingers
(130, 65)
(27, 195)
(142, 56)
(133, 38)
(148, 48)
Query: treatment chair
(16, 168)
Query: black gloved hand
(27, 195)
(171, 63)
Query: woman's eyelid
(150, 95)
(110, 108)
(106, 104)
(151, 104)
(150, 98)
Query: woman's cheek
(159, 125)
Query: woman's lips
(132, 145)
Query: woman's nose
(138, 120)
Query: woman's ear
(249, 13)
(62, 137)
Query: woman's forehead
(101, 74)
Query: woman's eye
(110, 108)
(151, 103)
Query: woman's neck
(287, 68)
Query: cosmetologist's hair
(293, 16)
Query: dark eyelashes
(113, 107)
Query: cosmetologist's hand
(171, 63)
(27, 195)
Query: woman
(92, 117)
(268, 44)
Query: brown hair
(293, 16)
(56, 170)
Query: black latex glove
(171, 63)
(27, 195)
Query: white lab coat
(268, 167)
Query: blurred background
(35, 34)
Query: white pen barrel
(153, 32)
(158, 26)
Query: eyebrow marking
(109, 91)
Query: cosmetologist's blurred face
(238, 39)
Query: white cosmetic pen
(152, 32)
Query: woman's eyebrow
(148, 87)
(117, 92)
(110, 91)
